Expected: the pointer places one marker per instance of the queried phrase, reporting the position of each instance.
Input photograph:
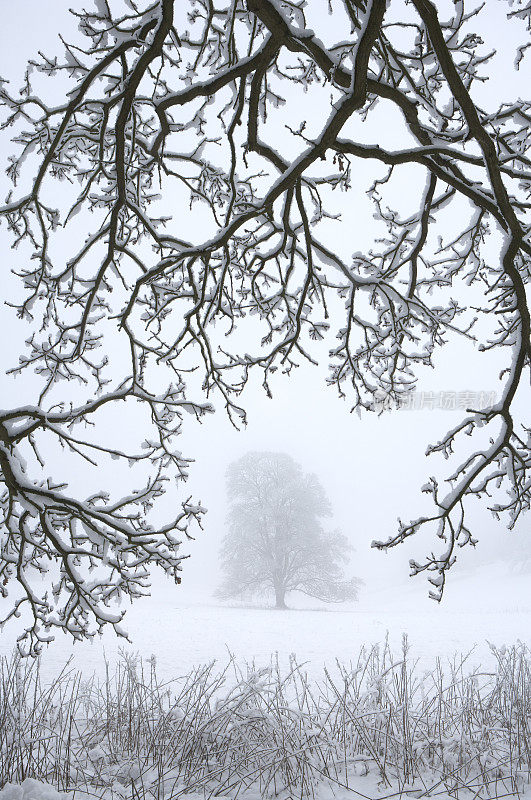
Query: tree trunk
(280, 594)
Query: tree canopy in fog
(187, 208)
(276, 542)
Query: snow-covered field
(378, 726)
(490, 605)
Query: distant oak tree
(189, 204)
(276, 542)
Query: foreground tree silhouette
(276, 542)
(176, 219)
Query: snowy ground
(491, 604)
(367, 788)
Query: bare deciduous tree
(276, 542)
(200, 148)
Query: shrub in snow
(376, 723)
